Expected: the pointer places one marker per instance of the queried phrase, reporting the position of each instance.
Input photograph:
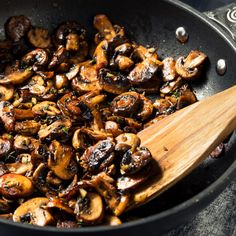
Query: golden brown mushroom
(127, 141)
(46, 108)
(7, 115)
(168, 70)
(15, 186)
(39, 37)
(24, 143)
(112, 220)
(29, 127)
(33, 212)
(6, 93)
(5, 146)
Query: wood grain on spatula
(181, 141)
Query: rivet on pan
(221, 66)
(181, 34)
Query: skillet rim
(199, 201)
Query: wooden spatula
(181, 141)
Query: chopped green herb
(46, 108)
(65, 130)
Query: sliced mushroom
(29, 127)
(123, 62)
(24, 143)
(39, 37)
(73, 41)
(60, 161)
(17, 77)
(101, 54)
(89, 210)
(61, 81)
(59, 204)
(113, 82)
(113, 128)
(166, 105)
(15, 186)
(58, 57)
(46, 108)
(144, 71)
(7, 115)
(6, 93)
(16, 27)
(36, 58)
(22, 166)
(170, 87)
(146, 108)
(112, 220)
(190, 67)
(132, 162)
(33, 212)
(23, 114)
(126, 104)
(168, 70)
(127, 141)
(99, 156)
(5, 146)
(186, 98)
(53, 180)
(141, 53)
(58, 129)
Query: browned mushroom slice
(127, 183)
(100, 55)
(46, 108)
(58, 128)
(113, 128)
(7, 115)
(126, 104)
(59, 204)
(140, 53)
(190, 67)
(29, 127)
(24, 143)
(78, 140)
(168, 70)
(104, 26)
(152, 87)
(170, 87)
(17, 77)
(3, 169)
(165, 105)
(16, 27)
(127, 141)
(144, 71)
(23, 114)
(89, 210)
(4, 206)
(86, 81)
(36, 58)
(105, 187)
(146, 108)
(58, 57)
(112, 220)
(187, 97)
(123, 62)
(22, 166)
(39, 37)
(61, 81)
(15, 186)
(33, 212)
(5, 146)
(132, 162)
(99, 156)
(113, 82)
(6, 93)
(96, 135)
(61, 161)
(73, 41)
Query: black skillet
(150, 22)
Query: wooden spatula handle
(182, 140)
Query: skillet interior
(150, 23)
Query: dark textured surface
(219, 218)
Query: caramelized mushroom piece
(33, 212)
(168, 70)
(126, 104)
(16, 27)
(113, 128)
(15, 186)
(61, 81)
(123, 62)
(59, 204)
(166, 105)
(127, 141)
(23, 114)
(7, 115)
(5, 146)
(113, 82)
(146, 108)
(99, 156)
(186, 98)
(6, 93)
(100, 54)
(89, 210)
(22, 166)
(24, 143)
(112, 220)
(39, 37)
(16, 77)
(58, 57)
(46, 108)
(132, 162)
(36, 58)
(29, 127)
(190, 67)
(56, 129)
(61, 161)
(170, 87)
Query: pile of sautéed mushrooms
(69, 114)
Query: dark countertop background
(219, 218)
